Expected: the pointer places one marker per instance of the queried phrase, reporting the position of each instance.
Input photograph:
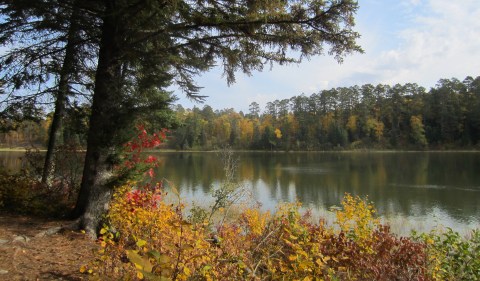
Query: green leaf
(206, 268)
(154, 254)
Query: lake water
(411, 190)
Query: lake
(411, 190)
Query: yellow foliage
(357, 218)
(375, 128)
(145, 238)
(326, 120)
(153, 236)
(352, 123)
(278, 133)
(246, 131)
(255, 221)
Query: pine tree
(144, 46)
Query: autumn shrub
(69, 161)
(146, 238)
(452, 256)
(363, 249)
(15, 191)
(23, 194)
(357, 220)
(151, 235)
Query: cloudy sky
(418, 41)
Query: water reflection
(418, 189)
(442, 188)
(11, 161)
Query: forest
(96, 76)
(402, 116)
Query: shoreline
(23, 149)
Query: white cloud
(443, 43)
(411, 2)
(407, 41)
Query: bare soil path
(33, 249)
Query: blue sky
(418, 41)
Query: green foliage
(337, 135)
(451, 256)
(418, 130)
(400, 116)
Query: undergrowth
(22, 194)
(147, 238)
(144, 237)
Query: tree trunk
(95, 191)
(61, 99)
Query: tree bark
(61, 99)
(96, 190)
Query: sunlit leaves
(357, 219)
(150, 242)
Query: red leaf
(151, 173)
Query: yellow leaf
(141, 243)
(140, 262)
(186, 271)
(139, 275)
(292, 257)
(103, 230)
(83, 268)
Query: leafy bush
(152, 236)
(20, 193)
(451, 256)
(24, 193)
(145, 238)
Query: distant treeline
(381, 117)
(33, 132)
(384, 117)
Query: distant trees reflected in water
(410, 184)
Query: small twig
(265, 239)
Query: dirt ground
(33, 249)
